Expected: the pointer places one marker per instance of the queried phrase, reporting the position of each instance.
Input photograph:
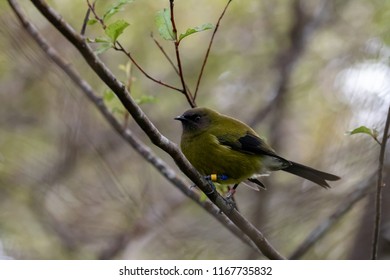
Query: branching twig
(118, 47)
(209, 48)
(379, 187)
(167, 57)
(188, 95)
(155, 136)
(85, 22)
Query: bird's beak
(180, 118)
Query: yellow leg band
(213, 177)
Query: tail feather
(311, 174)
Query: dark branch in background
(358, 193)
(209, 48)
(379, 187)
(154, 135)
(301, 31)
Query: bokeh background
(301, 72)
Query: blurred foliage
(70, 188)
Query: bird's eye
(195, 118)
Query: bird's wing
(254, 145)
(248, 144)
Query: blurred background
(301, 72)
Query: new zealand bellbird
(232, 152)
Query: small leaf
(361, 129)
(117, 7)
(102, 40)
(103, 48)
(115, 29)
(365, 130)
(92, 21)
(164, 25)
(196, 29)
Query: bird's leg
(230, 198)
(215, 178)
(232, 191)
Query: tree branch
(379, 187)
(154, 135)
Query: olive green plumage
(218, 144)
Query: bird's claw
(230, 193)
(211, 184)
(231, 203)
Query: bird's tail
(311, 174)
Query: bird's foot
(210, 181)
(231, 203)
(230, 193)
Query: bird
(227, 151)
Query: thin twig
(167, 57)
(209, 48)
(85, 22)
(154, 135)
(118, 47)
(165, 54)
(92, 8)
(379, 187)
(185, 91)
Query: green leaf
(164, 25)
(92, 21)
(145, 99)
(365, 130)
(117, 7)
(196, 29)
(103, 48)
(115, 29)
(102, 40)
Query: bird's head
(197, 120)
